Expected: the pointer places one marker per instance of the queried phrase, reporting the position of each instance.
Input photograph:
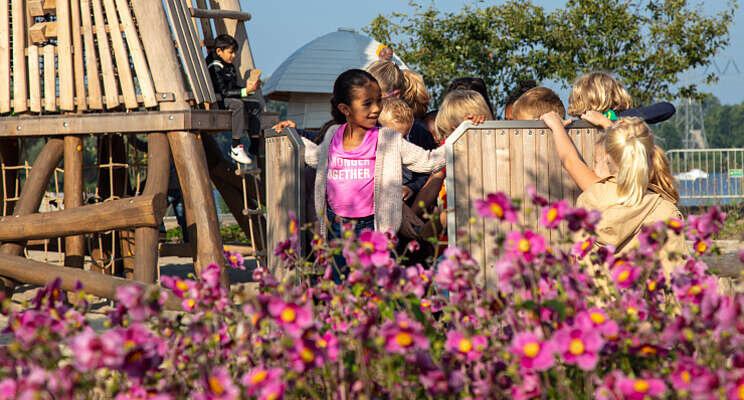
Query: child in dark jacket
(241, 101)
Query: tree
(647, 44)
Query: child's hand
(553, 120)
(284, 124)
(407, 192)
(596, 118)
(476, 119)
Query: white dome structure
(305, 79)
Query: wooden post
(50, 80)
(73, 189)
(20, 92)
(91, 61)
(120, 55)
(38, 273)
(34, 79)
(110, 87)
(64, 57)
(132, 212)
(138, 56)
(188, 153)
(4, 59)
(146, 238)
(33, 192)
(79, 65)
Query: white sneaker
(238, 154)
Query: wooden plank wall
(61, 67)
(501, 156)
(284, 186)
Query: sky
(280, 27)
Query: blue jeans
(334, 231)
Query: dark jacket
(652, 114)
(421, 137)
(224, 77)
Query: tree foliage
(648, 44)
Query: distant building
(305, 79)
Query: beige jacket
(393, 152)
(621, 224)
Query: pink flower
(219, 385)
(535, 198)
(211, 275)
(735, 389)
(552, 216)
(582, 248)
(529, 388)
(695, 290)
(259, 377)
(291, 317)
(596, 319)
(306, 355)
(675, 224)
(693, 378)
(373, 249)
(438, 384)
(130, 297)
(328, 343)
(272, 391)
(535, 355)
(635, 306)
(417, 280)
(528, 245)
(455, 271)
(8, 388)
(470, 347)
(234, 259)
(505, 270)
(625, 275)
(579, 346)
(639, 389)
(581, 219)
(403, 335)
(496, 205)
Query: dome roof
(314, 67)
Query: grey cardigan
(393, 152)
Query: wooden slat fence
(506, 156)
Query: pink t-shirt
(350, 188)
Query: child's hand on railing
(284, 124)
(596, 118)
(476, 119)
(554, 121)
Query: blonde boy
(536, 102)
(396, 114)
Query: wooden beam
(64, 57)
(73, 190)
(4, 60)
(39, 8)
(132, 212)
(20, 93)
(39, 273)
(136, 122)
(41, 32)
(220, 14)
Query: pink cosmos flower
(535, 198)
(496, 205)
(306, 355)
(373, 249)
(403, 335)
(579, 346)
(439, 384)
(635, 306)
(693, 378)
(528, 245)
(535, 355)
(735, 389)
(695, 290)
(259, 377)
(469, 347)
(552, 216)
(329, 344)
(596, 319)
(130, 297)
(417, 280)
(506, 271)
(625, 275)
(639, 389)
(581, 219)
(529, 388)
(8, 388)
(219, 385)
(675, 225)
(455, 271)
(290, 316)
(582, 248)
(211, 275)
(272, 391)
(234, 259)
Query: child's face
(365, 105)
(227, 55)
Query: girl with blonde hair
(631, 184)
(599, 91)
(415, 93)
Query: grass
(230, 234)
(733, 225)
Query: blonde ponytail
(661, 176)
(415, 93)
(630, 145)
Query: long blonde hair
(415, 93)
(455, 107)
(639, 163)
(597, 91)
(388, 75)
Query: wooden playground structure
(91, 76)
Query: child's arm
(311, 149)
(581, 174)
(419, 160)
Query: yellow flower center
(632, 311)
(597, 318)
(497, 210)
(254, 319)
(191, 303)
(307, 355)
(531, 349)
(368, 247)
(648, 350)
(674, 223)
(322, 343)
(640, 386)
(258, 377)
(552, 214)
(585, 245)
(215, 386)
(288, 315)
(292, 227)
(652, 286)
(623, 276)
(465, 345)
(694, 290)
(686, 377)
(233, 259)
(403, 339)
(272, 396)
(576, 347)
(426, 304)
(701, 247)
(182, 286)
(524, 245)
(740, 391)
